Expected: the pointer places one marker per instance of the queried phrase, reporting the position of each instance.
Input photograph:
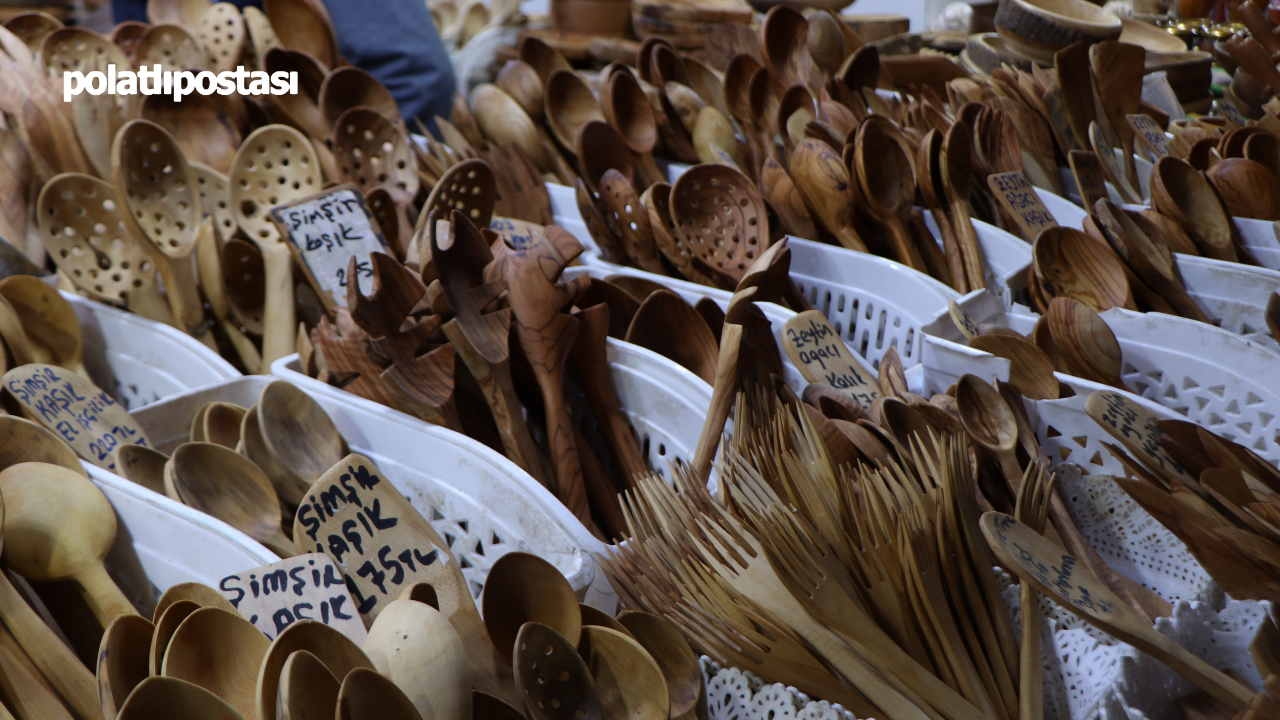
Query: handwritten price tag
(1138, 431)
(1228, 110)
(325, 231)
(821, 356)
(1014, 192)
(1149, 134)
(75, 410)
(379, 542)
(305, 587)
(1031, 556)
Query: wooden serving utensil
(824, 183)
(671, 327)
(48, 322)
(1247, 188)
(304, 25)
(334, 650)
(724, 387)
(957, 180)
(413, 645)
(1148, 257)
(166, 697)
(554, 678)
(629, 221)
(629, 111)
(628, 680)
(727, 242)
(1182, 194)
(664, 643)
(1118, 70)
(885, 175)
(372, 152)
(58, 525)
(142, 465)
(122, 661)
(299, 434)
(1029, 367)
(349, 86)
(220, 652)
(366, 693)
(206, 126)
(1069, 263)
(1089, 348)
(519, 80)
(569, 102)
(274, 165)
(306, 689)
(96, 118)
(220, 482)
(528, 589)
(503, 121)
(1031, 510)
(928, 173)
(1042, 564)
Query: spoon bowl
(219, 651)
(519, 80)
(569, 103)
(668, 325)
(524, 588)
(679, 664)
(366, 694)
(350, 86)
(122, 660)
(332, 648)
(220, 482)
(300, 109)
(165, 697)
(307, 688)
(1089, 348)
(629, 682)
(415, 646)
(721, 217)
(304, 25)
(142, 465)
(1069, 263)
(1247, 188)
(553, 677)
(1181, 193)
(298, 431)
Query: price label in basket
(1089, 177)
(1016, 195)
(76, 410)
(821, 356)
(1138, 430)
(324, 232)
(379, 542)
(1149, 134)
(304, 587)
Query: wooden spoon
(371, 152)
(1089, 348)
(25, 441)
(142, 465)
(349, 86)
(1069, 263)
(629, 682)
(730, 239)
(221, 652)
(58, 525)
(885, 174)
(274, 165)
(337, 652)
(519, 80)
(304, 25)
(569, 103)
(1181, 193)
(1248, 188)
(679, 665)
(298, 432)
(301, 109)
(542, 57)
(503, 121)
(1030, 368)
(957, 180)
(824, 183)
(48, 321)
(307, 688)
(1049, 570)
(1148, 257)
(629, 111)
(929, 181)
(97, 250)
(413, 645)
(96, 118)
(668, 325)
(553, 677)
(166, 697)
(1118, 70)
(166, 624)
(523, 588)
(220, 482)
(366, 694)
(172, 47)
(205, 126)
(629, 221)
(122, 661)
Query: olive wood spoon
(679, 664)
(1029, 367)
(1148, 257)
(220, 482)
(50, 655)
(1118, 70)
(122, 661)
(156, 698)
(885, 174)
(724, 387)
(824, 183)
(929, 181)
(523, 588)
(1049, 570)
(668, 325)
(460, 253)
(957, 181)
(413, 645)
(58, 525)
(1089, 348)
(1182, 193)
(589, 363)
(1069, 263)
(629, 111)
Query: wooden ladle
(628, 680)
(1038, 561)
(414, 646)
(58, 525)
(48, 321)
(220, 482)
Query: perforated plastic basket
(140, 361)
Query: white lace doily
(1089, 675)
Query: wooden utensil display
(414, 646)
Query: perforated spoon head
(553, 677)
(721, 216)
(156, 184)
(274, 165)
(372, 152)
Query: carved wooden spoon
(1089, 348)
(220, 482)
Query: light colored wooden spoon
(220, 652)
(337, 652)
(58, 525)
(25, 441)
(307, 688)
(221, 29)
(629, 682)
(1247, 188)
(503, 121)
(524, 588)
(220, 482)
(365, 694)
(122, 661)
(97, 118)
(519, 80)
(155, 185)
(142, 465)
(304, 25)
(552, 676)
(1049, 570)
(413, 645)
(274, 165)
(350, 86)
(824, 183)
(165, 697)
(172, 47)
(301, 109)
(166, 624)
(298, 431)
(48, 321)
(82, 228)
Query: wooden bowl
(1039, 28)
(1154, 39)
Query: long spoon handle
(904, 246)
(955, 259)
(968, 241)
(279, 320)
(1030, 665)
(51, 656)
(721, 399)
(103, 596)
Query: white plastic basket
(480, 502)
(1143, 165)
(160, 543)
(140, 361)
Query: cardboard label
(371, 532)
(1089, 178)
(1150, 134)
(1230, 112)
(324, 232)
(1014, 192)
(1046, 564)
(821, 356)
(963, 320)
(1138, 431)
(76, 410)
(304, 587)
